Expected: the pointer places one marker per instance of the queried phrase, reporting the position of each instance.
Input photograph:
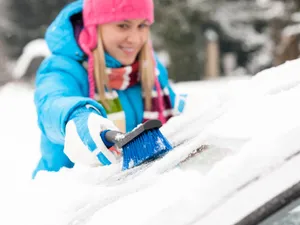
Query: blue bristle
(149, 145)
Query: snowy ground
(248, 125)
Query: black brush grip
(111, 136)
(152, 124)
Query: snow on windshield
(245, 126)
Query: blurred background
(196, 39)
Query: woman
(102, 74)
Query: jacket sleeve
(61, 87)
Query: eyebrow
(128, 21)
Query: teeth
(128, 49)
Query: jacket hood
(60, 35)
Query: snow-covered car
(235, 161)
(249, 167)
(272, 198)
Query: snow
(119, 136)
(234, 24)
(260, 191)
(295, 17)
(35, 48)
(291, 30)
(248, 125)
(159, 144)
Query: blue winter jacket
(62, 86)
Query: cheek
(145, 36)
(110, 38)
(110, 43)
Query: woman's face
(124, 40)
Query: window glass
(289, 215)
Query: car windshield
(289, 215)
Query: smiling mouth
(128, 50)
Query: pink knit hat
(97, 12)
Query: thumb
(103, 123)
(96, 125)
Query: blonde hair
(146, 70)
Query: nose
(134, 37)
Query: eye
(143, 25)
(123, 26)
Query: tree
(23, 21)
(178, 31)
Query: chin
(127, 62)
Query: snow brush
(144, 143)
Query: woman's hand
(83, 143)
